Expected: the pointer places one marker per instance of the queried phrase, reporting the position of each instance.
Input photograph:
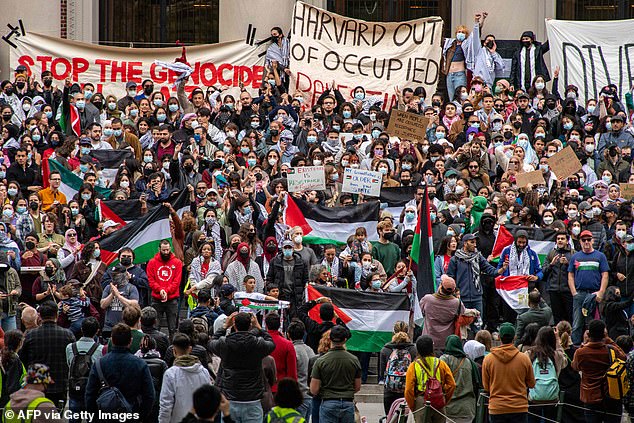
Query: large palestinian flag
(110, 161)
(121, 211)
(396, 198)
(370, 316)
(71, 183)
(423, 251)
(143, 235)
(542, 241)
(331, 225)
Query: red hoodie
(164, 275)
(285, 358)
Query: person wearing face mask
(289, 272)
(614, 163)
(590, 223)
(118, 293)
(183, 172)
(459, 53)
(89, 271)
(87, 112)
(121, 140)
(408, 219)
(50, 280)
(307, 254)
(615, 135)
(386, 251)
(8, 96)
(242, 266)
(131, 92)
(519, 259)
(528, 62)
(622, 264)
(383, 167)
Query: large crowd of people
(173, 339)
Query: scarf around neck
(473, 259)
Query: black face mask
(573, 184)
(550, 106)
(29, 245)
(526, 44)
(489, 44)
(431, 195)
(20, 85)
(517, 125)
(48, 83)
(467, 115)
(8, 91)
(388, 235)
(33, 205)
(284, 174)
(148, 171)
(166, 257)
(49, 270)
(6, 117)
(508, 135)
(188, 168)
(244, 254)
(318, 116)
(126, 261)
(148, 90)
(97, 104)
(271, 248)
(274, 132)
(435, 103)
(235, 245)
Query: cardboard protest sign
(358, 181)
(109, 68)
(306, 178)
(627, 191)
(564, 163)
(405, 125)
(592, 54)
(529, 178)
(379, 56)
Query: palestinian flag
(396, 198)
(121, 211)
(70, 181)
(370, 316)
(143, 235)
(423, 251)
(75, 121)
(110, 161)
(513, 290)
(542, 241)
(331, 225)
(263, 304)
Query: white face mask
(572, 213)
(297, 239)
(548, 220)
(459, 189)
(576, 231)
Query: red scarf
(244, 260)
(269, 256)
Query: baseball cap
(522, 95)
(628, 238)
(287, 243)
(468, 237)
(286, 134)
(584, 205)
(611, 208)
(617, 117)
(130, 84)
(338, 333)
(110, 224)
(450, 172)
(507, 329)
(585, 234)
(85, 141)
(211, 191)
(227, 289)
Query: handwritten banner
(358, 181)
(405, 125)
(306, 178)
(529, 178)
(627, 191)
(379, 56)
(564, 163)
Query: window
(591, 10)
(158, 23)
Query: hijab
(244, 260)
(269, 256)
(474, 349)
(74, 247)
(453, 347)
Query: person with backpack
(394, 360)
(147, 351)
(507, 374)
(428, 379)
(127, 379)
(288, 399)
(548, 360)
(593, 359)
(462, 407)
(12, 369)
(180, 381)
(204, 315)
(32, 397)
(80, 356)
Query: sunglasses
(586, 239)
(72, 235)
(474, 167)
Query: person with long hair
(402, 280)
(546, 350)
(399, 350)
(530, 334)
(10, 364)
(448, 247)
(204, 269)
(89, 271)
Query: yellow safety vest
(32, 406)
(422, 374)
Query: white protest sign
(306, 178)
(358, 181)
(592, 54)
(378, 56)
(109, 68)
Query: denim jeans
(245, 412)
(477, 304)
(8, 322)
(75, 406)
(454, 80)
(336, 411)
(315, 406)
(609, 411)
(578, 319)
(306, 408)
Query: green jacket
(12, 283)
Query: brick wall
(63, 33)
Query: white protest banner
(592, 54)
(109, 68)
(358, 181)
(306, 178)
(379, 56)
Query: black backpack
(80, 367)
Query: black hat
(529, 34)
(338, 334)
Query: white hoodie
(179, 384)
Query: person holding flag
(521, 260)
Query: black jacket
(622, 263)
(540, 64)
(314, 330)
(556, 275)
(241, 353)
(295, 292)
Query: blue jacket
(128, 373)
(535, 267)
(461, 271)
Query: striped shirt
(587, 269)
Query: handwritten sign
(306, 178)
(529, 178)
(358, 181)
(409, 126)
(564, 163)
(627, 191)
